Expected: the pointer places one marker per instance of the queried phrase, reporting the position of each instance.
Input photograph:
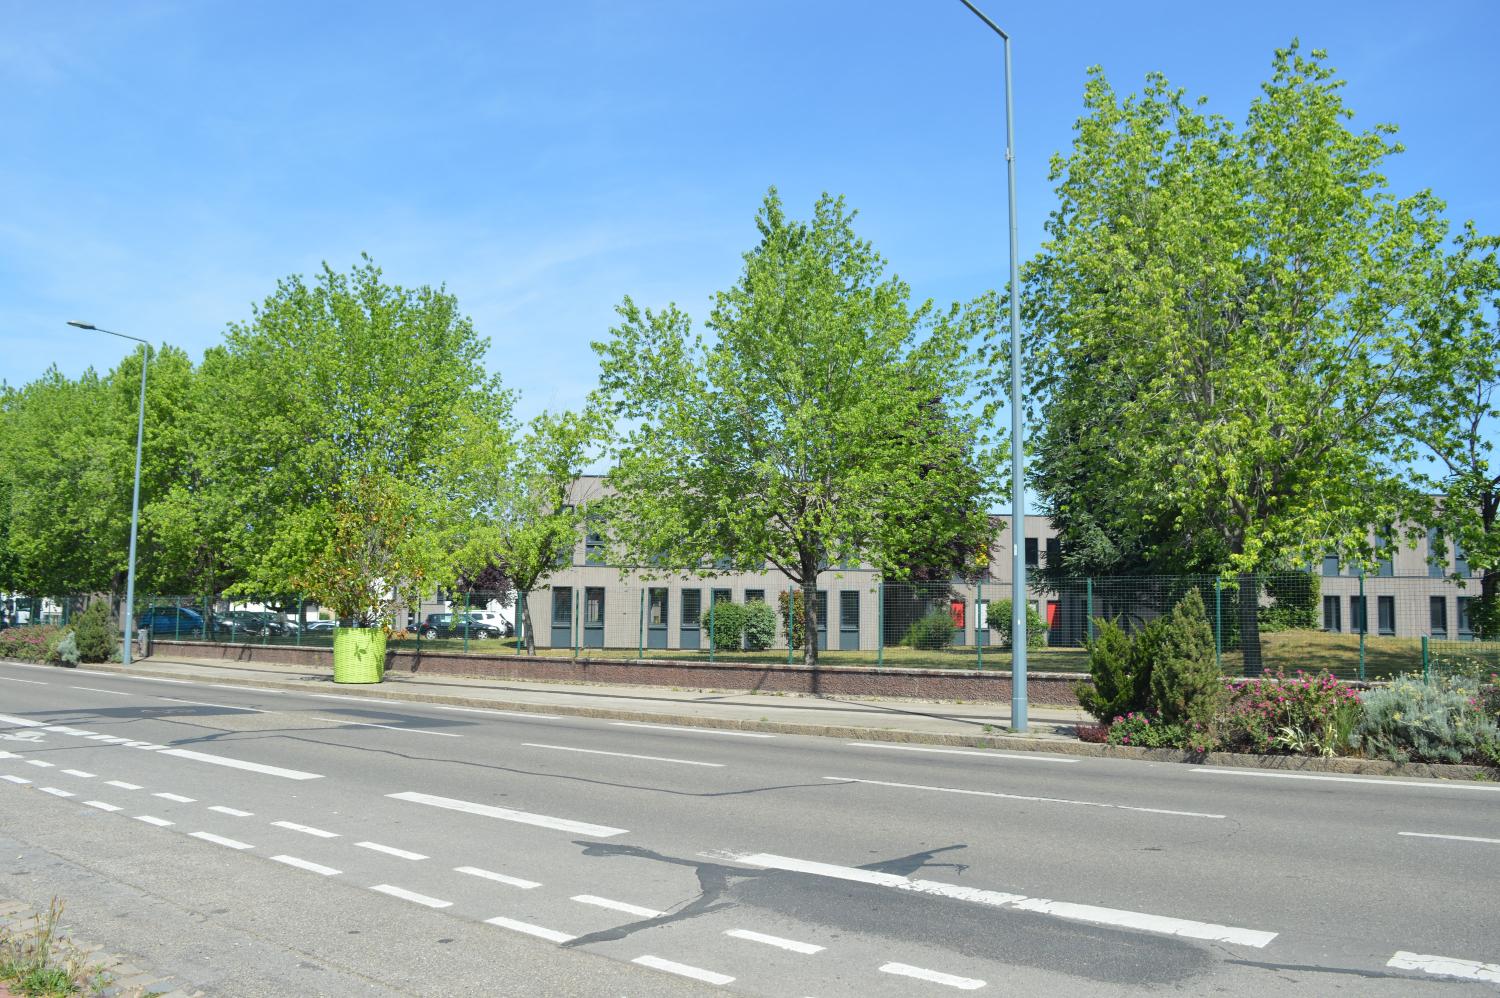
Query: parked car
(256, 622)
(453, 625)
(494, 617)
(320, 627)
(171, 621)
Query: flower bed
(32, 643)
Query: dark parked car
(256, 622)
(320, 627)
(451, 625)
(171, 621)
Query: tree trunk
(809, 609)
(1486, 622)
(525, 622)
(1249, 603)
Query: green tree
(1223, 317)
(348, 414)
(533, 506)
(802, 434)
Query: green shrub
(1436, 721)
(1146, 729)
(760, 626)
(1304, 716)
(1295, 601)
(64, 649)
(726, 623)
(930, 632)
(796, 612)
(1036, 626)
(1186, 685)
(95, 633)
(30, 642)
(1119, 686)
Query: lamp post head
(82, 325)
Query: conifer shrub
(95, 633)
(1119, 685)
(1186, 686)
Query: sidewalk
(876, 719)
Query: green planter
(358, 655)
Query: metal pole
(1219, 623)
(575, 622)
(641, 649)
(710, 623)
(466, 623)
(791, 614)
(980, 634)
(1088, 610)
(302, 619)
(1426, 664)
(135, 510)
(880, 618)
(1364, 623)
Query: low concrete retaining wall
(1050, 688)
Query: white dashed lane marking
(1025, 798)
(1445, 966)
(303, 864)
(510, 814)
(101, 805)
(33, 682)
(221, 706)
(692, 731)
(777, 941)
(934, 976)
(220, 840)
(122, 784)
(231, 811)
(390, 850)
(305, 829)
(79, 773)
(1021, 756)
(20, 722)
(499, 878)
(40, 763)
(1379, 782)
(55, 792)
(15, 779)
(683, 970)
(153, 820)
(624, 755)
(629, 909)
(541, 932)
(1451, 838)
(388, 727)
(251, 767)
(413, 896)
(177, 797)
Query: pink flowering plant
(1147, 729)
(1302, 715)
(31, 643)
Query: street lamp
(1018, 707)
(135, 495)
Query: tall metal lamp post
(135, 495)
(1018, 705)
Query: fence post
(1219, 623)
(520, 620)
(177, 618)
(265, 627)
(791, 613)
(978, 635)
(1364, 623)
(880, 624)
(710, 623)
(1088, 610)
(208, 627)
(466, 623)
(301, 620)
(575, 622)
(640, 652)
(1426, 664)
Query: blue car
(171, 621)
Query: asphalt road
(259, 842)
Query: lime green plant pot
(358, 655)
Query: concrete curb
(1061, 745)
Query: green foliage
(1121, 680)
(798, 616)
(64, 648)
(931, 631)
(726, 622)
(1186, 686)
(1296, 600)
(1438, 721)
(760, 626)
(819, 425)
(1302, 716)
(30, 643)
(1146, 729)
(1000, 621)
(95, 633)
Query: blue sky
(163, 163)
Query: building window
(1054, 552)
(1385, 567)
(1330, 565)
(1031, 556)
(692, 607)
(1460, 560)
(1332, 614)
(1437, 565)
(956, 610)
(1437, 616)
(1465, 618)
(1385, 613)
(593, 545)
(656, 607)
(1359, 621)
(723, 596)
(755, 595)
(849, 609)
(821, 609)
(562, 606)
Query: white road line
(1445, 966)
(629, 909)
(692, 731)
(551, 935)
(390, 850)
(81, 732)
(15, 779)
(624, 755)
(79, 773)
(934, 976)
(221, 706)
(55, 792)
(8, 755)
(303, 864)
(510, 814)
(498, 878)
(158, 679)
(1022, 756)
(99, 738)
(139, 745)
(232, 812)
(760, 937)
(1406, 784)
(33, 682)
(63, 729)
(1092, 914)
(40, 763)
(356, 698)
(253, 767)
(152, 820)
(220, 840)
(683, 970)
(1023, 797)
(388, 727)
(21, 722)
(109, 739)
(306, 829)
(92, 689)
(176, 797)
(1435, 835)
(487, 710)
(101, 805)
(148, 746)
(122, 784)
(405, 895)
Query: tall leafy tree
(1224, 315)
(802, 433)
